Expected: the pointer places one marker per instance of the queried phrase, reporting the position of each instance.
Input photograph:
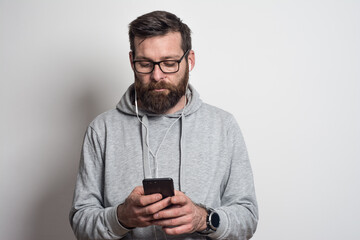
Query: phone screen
(164, 186)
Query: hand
(182, 217)
(138, 209)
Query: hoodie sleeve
(238, 212)
(88, 217)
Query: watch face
(215, 220)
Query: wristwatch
(212, 221)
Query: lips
(159, 89)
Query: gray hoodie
(201, 148)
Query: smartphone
(164, 186)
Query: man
(161, 128)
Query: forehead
(159, 46)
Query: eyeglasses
(166, 66)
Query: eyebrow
(170, 57)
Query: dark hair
(159, 23)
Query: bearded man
(161, 129)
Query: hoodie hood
(127, 103)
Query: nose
(157, 74)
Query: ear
(191, 60)
(131, 59)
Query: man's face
(159, 92)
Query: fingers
(175, 226)
(139, 190)
(183, 216)
(138, 209)
(156, 207)
(181, 205)
(145, 200)
(180, 199)
(171, 222)
(179, 230)
(172, 212)
(138, 198)
(149, 204)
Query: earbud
(189, 67)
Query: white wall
(288, 70)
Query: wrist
(120, 217)
(203, 214)
(212, 221)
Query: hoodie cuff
(114, 225)
(224, 222)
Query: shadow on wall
(49, 216)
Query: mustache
(159, 85)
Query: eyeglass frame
(158, 63)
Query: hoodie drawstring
(182, 154)
(145, 146)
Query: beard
(161, 102)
